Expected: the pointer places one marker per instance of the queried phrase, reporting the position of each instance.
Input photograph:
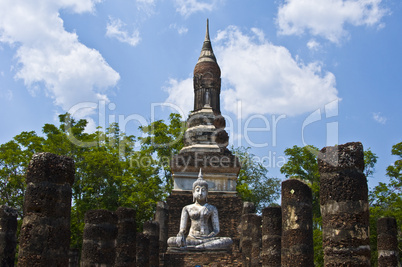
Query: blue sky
(319, 72)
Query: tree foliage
(253, 184)
(162, 141)
(109, 172)
(105, 176)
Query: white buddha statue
(204, 223)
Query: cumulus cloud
(49, 56)
(115, 29)
(328, 18)
(188, 7)
(266, 78)
(181, 95)
(379, 118)
(313, 45)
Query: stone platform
(201, 258)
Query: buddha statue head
(200, 189)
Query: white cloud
(266, 78)
(327, 18)
(146, 6)
(180, 29)
(313, 45)
(181, 94)
(379, 118)
(114, 29)
(49, 56)
(188, 7)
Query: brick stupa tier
(205, 139)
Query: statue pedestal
(201, 258)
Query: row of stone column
(287, 232)
(282, 237)
(110, 239)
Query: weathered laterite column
(248, 207)
(8, 237)
(271, 237)
(297, 224)
(45, 230)
(74, 257)
(162, 217)
(142, 250)
(250, 242)
(151, 229)
(126, 237)
(100, 232)
(344, 206)
(387, 242)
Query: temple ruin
(203, 221)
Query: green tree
(162, 141)
(386, 201)
(106, 175)
(14, 159)
(253, 184)
(110, 172)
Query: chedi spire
(207, 78)
(207, 54)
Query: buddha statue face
(200, 193)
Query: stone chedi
(205, 139)
(204, 223)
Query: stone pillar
(387, 242)
(126, 237)
(8, 237)
(248, 207)
(151, 229)
(74, 257)
(45, 231)
(271, 237)
(250, 242)
(297, 224)
(344, 206)
(162, 217)
(100, 232)
(142, 250)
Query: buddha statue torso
(204, 223)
